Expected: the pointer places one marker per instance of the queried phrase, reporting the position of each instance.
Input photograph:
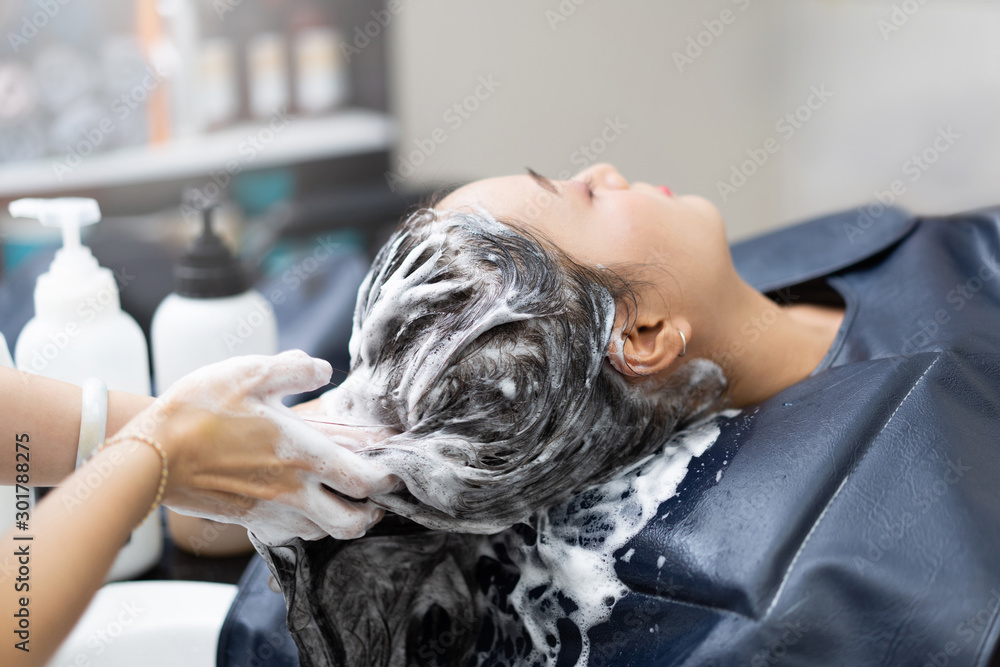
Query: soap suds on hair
(508, 388)
(573, 554)
(489, 353)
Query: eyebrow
(543, 182)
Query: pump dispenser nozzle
(70, 213)
(74, 274)
(209, 270)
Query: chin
(705, 208)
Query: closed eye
(547, 184)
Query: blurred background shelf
(245, 147)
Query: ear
(649, 347)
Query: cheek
(605, 241)
(628, 242)
(653, 236)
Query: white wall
(897, 93)
(561, 80)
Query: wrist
(145, 450)
(125, 470)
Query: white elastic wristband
(93, 418)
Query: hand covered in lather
(236, 454)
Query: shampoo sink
(149, 623)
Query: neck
(764, 347)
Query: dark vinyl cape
(857, 521)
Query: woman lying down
(524, 353)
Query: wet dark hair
(486, 348)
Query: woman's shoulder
(827, 244)
(820, 246)
(984, 222)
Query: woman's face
(599, 218)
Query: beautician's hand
(237, 455)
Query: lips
(665, 190)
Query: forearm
(48, 411)
(121, 408)
(76, 532)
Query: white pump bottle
(80, 331)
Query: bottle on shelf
(321, 75)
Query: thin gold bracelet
(163, 470)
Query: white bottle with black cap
(211, 316)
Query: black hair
(485, 347)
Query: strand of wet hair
(329, 423)
(320, 421)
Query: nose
(603, 175)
